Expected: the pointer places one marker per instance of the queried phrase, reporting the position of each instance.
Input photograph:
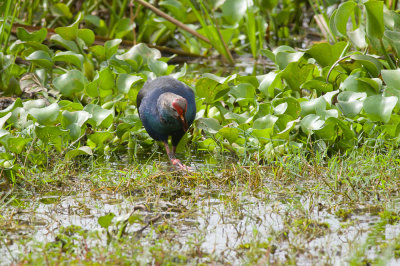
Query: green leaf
(125, 81)
(17, 144)
(231, 134)
(69, 33)
(209, 125)
(140, 53)
(35, 36)
(99, 117)
(87, 36)
(284, 58)
(17, 103)
(41, 58)
(52, 134)
(234, 10)
(157, 67)
(351, 103)
(4, 119)
(61, 10)
(211, 88)
(70, 57)
(391, 77)
(370, 63)
(70, 83)
(379, 108)
(267, 121)
(84, 150)
(46, 115)
(69, 45)
(318, 84)
(375, 23)
(357, 37)
(311, 106)
(105, 220)
(342, 17)
(310, 123)
(326, 54)
(292, 107)
(111, 47)
(244, 92)
(302, 71)
(100, 137)
(73, 121)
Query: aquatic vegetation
(69, 103)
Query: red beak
(182, 119)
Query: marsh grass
(297, 209)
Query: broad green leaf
(209, 125)
(70, 83)
(310, 123)
(99, 52)
(210, 89)
(111, 47)
(267, 121)
(41, 58)
(46, 115)
(303, 73)
(318, 84)
(99, 117)
(100, 137)
(17, 103)
(379, 108)
(351, 103)
(36, 36)
(269, 82)
(391, 77)
(311, 106)
(69, 45)
(73, 121)
(123, 27)
(284, 58)
(157, 67)
(292, 106)
(17, 144)
(87, 36)
(394, 39)
(4, 119)
(231, 134)
(357, 37)
(370, 63)
(125, 81)
(51, 134)
(375, 23)
(105, 220)
(70, 57)
(244, 92)
(355, 84)
(84, 150)
(140, 52)
(234, 10)
(61, 10)
(342, 17)
(69, 33)
(326, 54)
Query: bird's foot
(181, 166)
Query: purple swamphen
(167, 108)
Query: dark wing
(143, 92)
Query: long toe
(181, 166)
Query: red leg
(173, 159)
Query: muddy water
(221, 227)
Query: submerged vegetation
(316, 131)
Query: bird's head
(179, 106)
(173, 106)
